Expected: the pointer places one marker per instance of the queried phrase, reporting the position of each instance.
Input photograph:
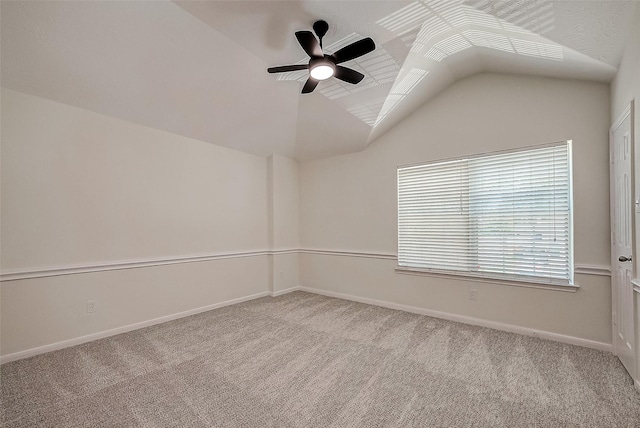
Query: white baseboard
(285, 291)
(413, 309)
(102, 334)
(468, 320)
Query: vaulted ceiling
(198, 69)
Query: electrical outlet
(91, 306)
(473, 295)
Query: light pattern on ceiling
(440, 35)
(437, 30)
(372, 112)
(533, 15)
(81, 54)
(368, 112)
(434, 30)
(400, 90)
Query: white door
(622, 241)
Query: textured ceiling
(198, 69)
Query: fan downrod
(320, 27)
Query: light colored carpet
(304, 360)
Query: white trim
(143, 263)
(625, 113)
(285, 291)
(286, 251)
(106, 333)
(592, 270)
(636, 285)
(383, 256)
(132, 264)
(462, 276)
(580, 269)
(468, 320)
(483, 154)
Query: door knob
(624, 259)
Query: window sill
(571, 288)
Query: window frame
(524, 281)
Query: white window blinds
(505, 215)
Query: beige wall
(283, 217)
(46, 311)
(348, 203)
(285, 201)
(79, 188)
(626, 85)
(625, 88)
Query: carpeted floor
(304, 360)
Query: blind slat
(505, 214)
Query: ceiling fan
(322, 66)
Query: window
(502, 215)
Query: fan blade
(309, 43)
(354, 50)
(285, 68)
(310, 85)
(348, 75)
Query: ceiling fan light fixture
(322, 70)
(322, 66)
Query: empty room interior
(320, 213)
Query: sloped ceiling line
(198, 69)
